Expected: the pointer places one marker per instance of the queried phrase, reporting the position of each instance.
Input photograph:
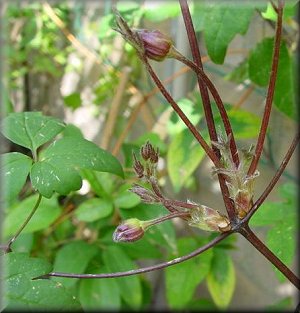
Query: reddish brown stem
(177, 109)
(203, 82)
(270, 93)
(264, 250)
(140, 270)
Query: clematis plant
(236, 169)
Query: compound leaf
(58, 164)
(31, 129)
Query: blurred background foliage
(64, 59)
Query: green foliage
(74, 230)
(130, 287)
(23, 293)
(259, 71)
(14, 168)
(47, 212)
(222, 23)
(221, 279)
(73, 257)
(73, 100)
(182, 279)
(57, 168)
(99, 293)
(94, 209)
(184, 156)
(31, 129)
(281, 219)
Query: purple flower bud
(138, 167)
(129, 231)
(157, 45)
(146, 195)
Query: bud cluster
(240, 184)
(150, 157)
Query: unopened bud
(146, 195)
(154, 156)
(208, 219)
(146, 151)
(129, 231)
(156, 45)
(138, 167)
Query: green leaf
(175, 124)
(126, 200)
(259, 70)
(23, 293)
(289, 192)
(221, 279)
(73, 258)
(31, 129)
(244, 124)
(239, 73)
(182, 279)
(58, 165)
(46, 213)
(184, 156)
(222, 23)
(130, 288)
(23, 244)
(288, 12)
(93, 209)
(14, 168)
(165, 11)
(73, 100)
(271, 213)
(72, 131)
(99, 294)
(281, 240)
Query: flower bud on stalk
(157, 46)
(146, 195)
(129, 231)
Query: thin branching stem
(181, 259)
(275, 179)
(204, 82)
(197, 59)
(270, 92)
(11, 241)
(177, 109)
(263, 249)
